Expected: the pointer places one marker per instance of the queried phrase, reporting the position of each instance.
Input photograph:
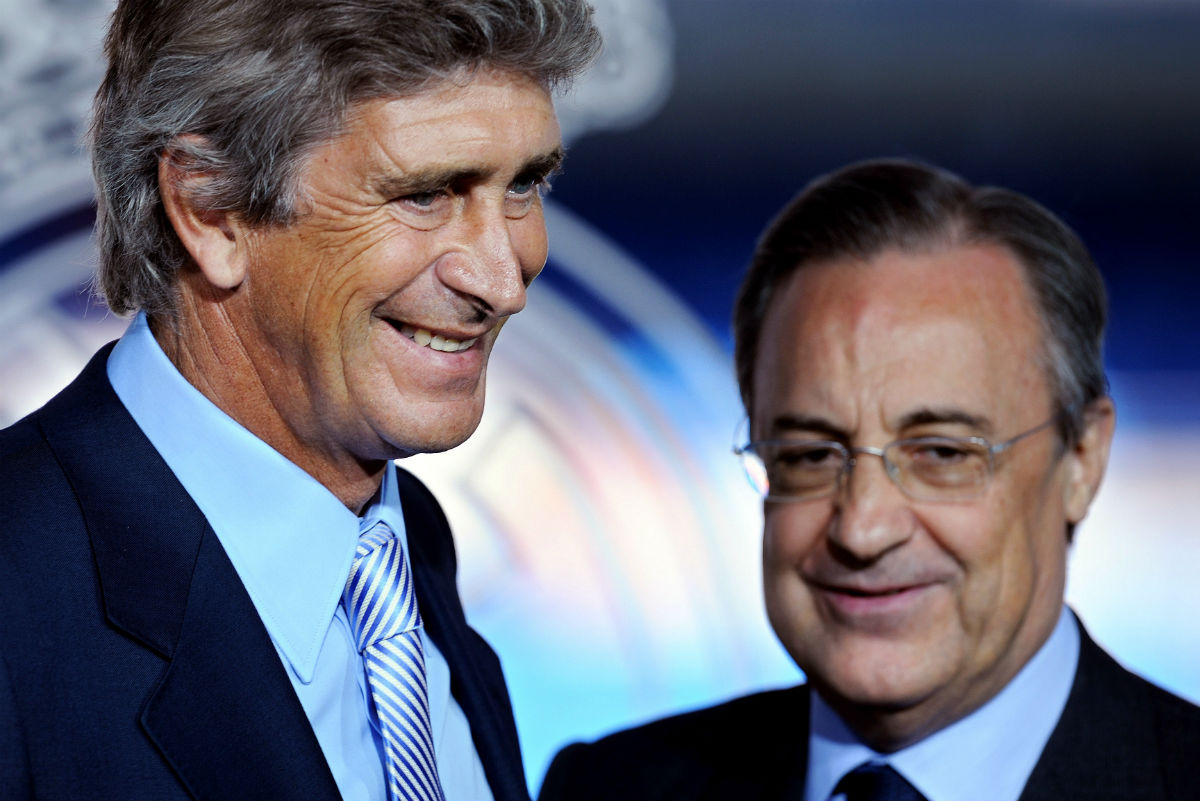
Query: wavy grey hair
(868, 207)
(242, 91)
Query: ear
(1085, 462)
(216, 240)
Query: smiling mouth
(869, 594)
(438, 342)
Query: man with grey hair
(920, 363)
(216, 582)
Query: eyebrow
(436, 178)
(926, 415)
(544, 165)
(932, 415)
(790, 423)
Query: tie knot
(379, 597)
(876, 781)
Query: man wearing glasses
(920, 362)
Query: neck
(891, 727)
(205, 347)
(884, 729)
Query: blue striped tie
(382, 609)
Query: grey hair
(240, 92)
(865, 208)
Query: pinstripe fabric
(382, 609)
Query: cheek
(278, 296)
(1033, 516)
(791, 533)
(1039, 553)
(790, 539)
(991, 545)
(974, 536)
(302, 283)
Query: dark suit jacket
(133, 663)
(1119, 737)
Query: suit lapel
(1105, 744)
(224, 716)
(778, 753)
(476, 678)
(256, 741)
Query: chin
(436, 435)
(433, 445)
(866, 692)
(886, 677)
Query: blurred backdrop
(608, 544)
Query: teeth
(436, 341)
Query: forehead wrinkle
(850, 310)
(793, 364)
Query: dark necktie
(873, 781)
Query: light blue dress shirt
(291, 542)
(988, 754)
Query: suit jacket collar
(167, 582)
(224, 716)
(477, 682)
(1118, 737)
(779, 756)
(1106, 744)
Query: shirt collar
(385, 508)
(988, 754)
(289, 538)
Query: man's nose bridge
(846, 479)
(492, 270)
(492, 229)
(866, 486)
(871, 509)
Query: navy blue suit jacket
(1119, 737)
(132, 661)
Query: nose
(871, 515)
(494, 260)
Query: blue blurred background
(609, 547)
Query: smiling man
(216, 581)
(920, 363)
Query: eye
(807, 456)
(524, 193)
(940, 453)
(425, 200)
(802, 469)
(525, 186)
(937, 463)
(425, 209)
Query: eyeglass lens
(929, 468)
